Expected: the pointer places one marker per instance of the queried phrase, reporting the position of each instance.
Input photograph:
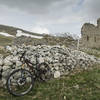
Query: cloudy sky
(49, 16)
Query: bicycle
(21, 81)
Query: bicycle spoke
(20, 82)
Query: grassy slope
(5, 40)
(81, 86)
(93, 51)
(46, 40)
(12, 30)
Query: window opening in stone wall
(94, 39)
(87, 38)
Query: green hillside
(13, 30)
(46, 40)
(5, 40)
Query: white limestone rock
(57, 74)
(1, 61)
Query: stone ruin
(91, 35)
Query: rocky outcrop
(61, 60)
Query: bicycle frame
(29, 64)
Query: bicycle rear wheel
(20, 82)
(44, 72)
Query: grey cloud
(91, 8)
(57, 15)
(43, 10)
(47, 13)
(37, 6)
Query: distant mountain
(9, 33)
(68, 35)
(13, 30)
(16, 36)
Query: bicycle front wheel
(20, 82)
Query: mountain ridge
(9, 33)
(15, 36)
(13, 30)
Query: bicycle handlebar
(22, 56)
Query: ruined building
(91, 35)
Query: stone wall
(91, 35)
(61, 60)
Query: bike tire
(45, 73)
(11, 91)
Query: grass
(83, 85)
(96, 54)
(4, 53)
(5, 40)
(93, 51)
